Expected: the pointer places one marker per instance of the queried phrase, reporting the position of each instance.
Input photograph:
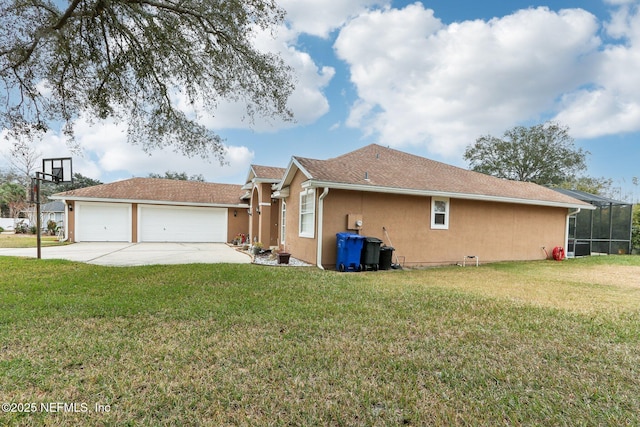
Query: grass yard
(26, 241)
(537, 343)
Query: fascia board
(266, 180)
(149, 202)
(280, 194)
(294, 165)
(430, 193)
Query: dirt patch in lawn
(612, 275)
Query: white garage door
(103, 222)
(181, 224)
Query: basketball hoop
(58, 171)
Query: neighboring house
(53, 211)
(430, 212)
(155, 210)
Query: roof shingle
(164, 190)
(378, 166)
(268, 172)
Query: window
(440, 213)
(307, 213)
(283, 222)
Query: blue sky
(425, 77)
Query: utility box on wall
(354, 221)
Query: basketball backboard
(57, 170)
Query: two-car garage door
(112, 222)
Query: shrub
(21, 228)
(52, 227)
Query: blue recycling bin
(349, 250)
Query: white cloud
(612, 102)
(307, 102)
(320, 17)
(422, 82)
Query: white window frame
(447, 203)
(283, 222)
(308, 194)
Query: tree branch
(67, 14)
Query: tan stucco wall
(491, 231)
(264, 225)
(300, 247)
(237, 224)
(71, 221)
(274, 226)
(134, 222)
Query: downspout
(66, 222)
(320, 221)
(566, 233)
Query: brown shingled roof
(378, 166)
(268, 172)
(164, 190)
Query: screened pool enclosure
(605, 230)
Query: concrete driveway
(129, 254)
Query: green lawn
(27, 241)
(537, 343)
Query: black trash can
(371, 253)
(386, 257)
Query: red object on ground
(558, 253)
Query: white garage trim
(181, 224)
(103, 222)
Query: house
(53, 211)
(155, 210)
(430, 212)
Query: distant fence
(9, 224)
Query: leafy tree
(79, 181)
(14, 196)
(600, 186)
(180, 176)
(127, 59)
(6, 176)
(544, 154)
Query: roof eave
(148, 202)
(431, 193)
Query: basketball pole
(38, 219)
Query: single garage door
(181, 224)
(103, 222)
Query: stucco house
(430, 212)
